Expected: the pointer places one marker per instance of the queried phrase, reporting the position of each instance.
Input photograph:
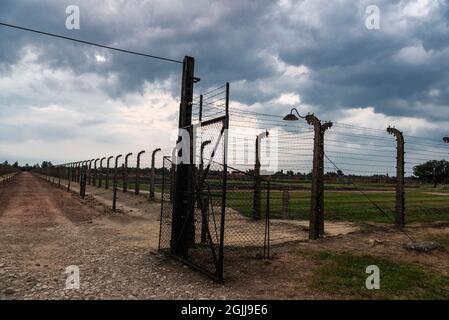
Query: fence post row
(114, 184)
(137, 183)
(183, 225)
(152, 175)
(400, 198)
(316, 228)
(257, 180)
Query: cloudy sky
(65, 101)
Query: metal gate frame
(216, 269)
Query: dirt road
(45, 229)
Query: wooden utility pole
(183, 226)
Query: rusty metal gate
(202, 226)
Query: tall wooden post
(400, 180)
(316, 228)
(183, 227)
(152, 174)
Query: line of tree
(26, 167)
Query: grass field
(344, 273)
(343, 202)
(350, 205)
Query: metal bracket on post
(114, 184)
(125, 173)
(106, 182)
(400, 180)
(316, 228)
(153, 173)
(257, 180)
(137, 185)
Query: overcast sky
(64, 101)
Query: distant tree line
(433, 171)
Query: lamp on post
(316, 228)
(292, 117)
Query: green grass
(349, 205)
(344, 274)
(340, 205)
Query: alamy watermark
(372, 19)
(373, 280)
(227, 146)
(73, 277)
(72, 22)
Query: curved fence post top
(395, 132)
(116, 159)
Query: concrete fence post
(114, 184)
(316, 228)
(106, 182)
(94, 176)
(400, 180)
(153, 173)
(100, 175)
(137, 182)
(125, 173)
(83, 179)
(257, 179)
(89, 177)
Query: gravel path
(43, 230)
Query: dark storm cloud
(349, 65)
